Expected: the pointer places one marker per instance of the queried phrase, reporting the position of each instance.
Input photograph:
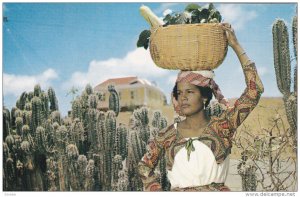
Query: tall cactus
(101, 130)
(97, 173)
(82, 163)
(282, 63)
(19, 125)
(116, 168)
(92, 129)
(89, 176)
(55, 116)
(92, 101)
(37, 117)
(141, 116)
(45, 105)
(110, 126)
(88, 89)
(22, 101)
(37, 90)
(13, 118)
(120, 146)
(76, 109)
(51, 174)
(6, 122)
(41, 139)
(114, 100)
(52, 99)
(72, 170)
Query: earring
(204, 102)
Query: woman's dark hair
(206, 92)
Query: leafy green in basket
(192, 14)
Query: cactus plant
(76, 109)
(45, 105)
(19, 125)
(40, 139)
(282, 64)
(123, 180)
(92, 101)
(116, 168)
(92, 129)
(13, 117)
(72, 169)
(37, 117)
(51, 174)
(82, 164)
(83, 151)
(55, 116)
(89, 176)
(113, 100)
(88, 89)
(6, 122)
(97, 174)
(52, 99)
(22, 101)
(101, 130)
(120, 145)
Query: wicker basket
(188, 46)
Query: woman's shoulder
(166, 133)
(167, 130)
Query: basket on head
(188, 46)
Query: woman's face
(190, 99)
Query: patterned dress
(217, 136)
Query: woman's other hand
(232, 40)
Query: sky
(65, 45)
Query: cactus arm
(281, 56)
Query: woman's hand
(232, 40)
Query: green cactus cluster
(282, 64)
(248, 175)
(88, 150)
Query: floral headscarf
(203, 79)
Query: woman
(197, 148)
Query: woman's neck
(196, 121)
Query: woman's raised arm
(254, 87)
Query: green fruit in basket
(144, 39)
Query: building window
(101, 96)
(132, 94)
